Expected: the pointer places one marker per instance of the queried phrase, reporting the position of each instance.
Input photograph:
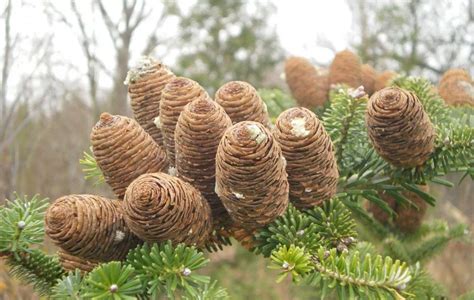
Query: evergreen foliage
(91, 169)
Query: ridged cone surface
(346, 69)
(177, 93)
(90, 227)
(398, 127)
(70, 262)
(456, 87)
(382, 80)
(244, 236)
(241, 102)
(145, 96)
(368, 78)
(200, 127)
(309, 87)
(251, 179)
(160, 207)
(124, 151)
(310, 160)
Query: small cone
(382, 80)
(124, 151)
(250, 175)
(309, 87)
(200, 127)
(399, 128)
(179, 92)
(368, 78)
(310, 161)
(244, 236)
(90, 227)
(241, 102)
(145, 84)
(160, 207)
(70, 262)
(346, 69)
(456, 87)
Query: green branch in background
(276, 101)
(91, 169)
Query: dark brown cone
(160, 207)
(382, 80)
(241, 102)
(456, 87)
(90, 227)
(245, 237)
(145, 90)
(368, 78)
(250, 175)
(398, 127)
(310, 161)
(124, 151)
(346, 69)
(70, 262)
(179, 92)
(200, 127)
(308, 86)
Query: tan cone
(382, 80)
(346, 69)
(71, 263)
(456, 87)
(368, 78)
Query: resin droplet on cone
(124, 151)
(456, 87)
(368, 78)
(251, 179)
(160, 207)
(383, 80)
(310, 161)
(345, 69)
(398, 127)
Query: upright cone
(145, 82)
(200, 127)
(160, 207)
(241, 102)
(90, 227)
(456, 87)
(382, 80)
(368, 78)
(124, 151)
(346, 69)
(174, 98)
(310, 161)
(399, 128)
(250, 175)
(70, 262)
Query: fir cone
(244, 236)
(310, 161)
(456, 87)
(124, 151)
(70, 262)
(368, 78)
(250, 175)
(200, 127)
(90, 227)
(309, 87)
(398, 127)
(383, 79)
(241, 102)
(160, 207)
(346, 69)
(145, 83)
(177, 93)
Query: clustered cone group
(456, 87)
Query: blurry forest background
(53, 90)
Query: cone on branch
(200, 127)
(160, 207)
(346, 69)
(251, 179)
(382, 80)
(309, 87)
(398, 127)
(456, 87)
(368, 78)
(124, 151)
(310, 160)
(70, 262)
(145, 82)
(241, 102)
(177, 93)
(90, 227)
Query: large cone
(70, 262)
(399, 128)
(159, 207)
(90, 227)
(346, 69)
(250, 175)
(382, 80)
(124, 151)
(456, 87)
(368, 78)
(310, 161)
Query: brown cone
(368, 78)
(160, 207)
(70, 262)
(308, 86)
(124, 151)
(310, 161)
(346, 69)
(90, 227)
(250, 175)
(200, 127)
(399, 128)
(383, 79)
(145, 90)
(179, 92)
(244, 236)
(241, 102)
(456, 87)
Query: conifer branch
(91, 168)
